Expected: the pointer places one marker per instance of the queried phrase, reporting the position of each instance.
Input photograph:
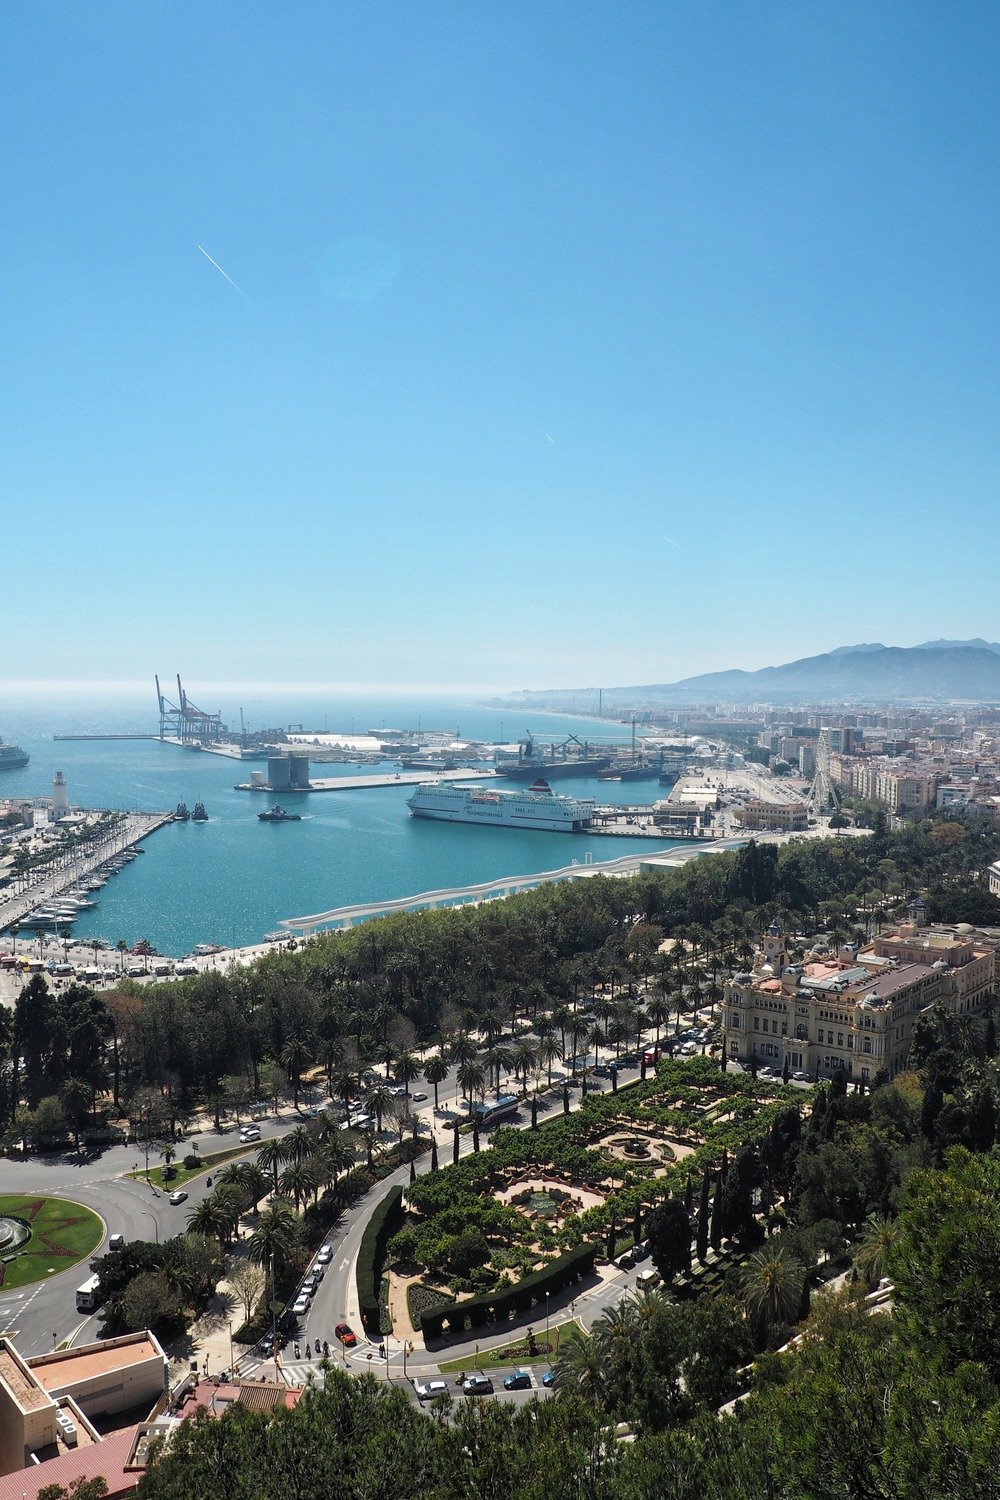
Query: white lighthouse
(60, 806)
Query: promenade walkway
(50, 882)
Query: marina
(37, 902)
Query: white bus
(86, 1295)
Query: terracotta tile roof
(107, 1459)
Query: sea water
(233, 879)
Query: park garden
(497, 1231)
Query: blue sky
(573, 343)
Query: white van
(648, 1279)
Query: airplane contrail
(221, 272)
(551, 439)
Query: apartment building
(773, 817)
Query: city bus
(501, 1109)
(86, 1295)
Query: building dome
(964, 928)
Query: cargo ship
(537, 808)
(530, 761)
(12, 757)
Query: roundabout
(41, 1236)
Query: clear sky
(570, 343)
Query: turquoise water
(232, 879)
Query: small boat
(181, 815)
(199, 815)
(278, 815)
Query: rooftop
(107, 1459)
(70, 1366)
(20, 1383)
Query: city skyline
(479, 351)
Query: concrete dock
(133, 828)
(359, 783)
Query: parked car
(520, 1380)
(249, 1133)
(178, 1196)
(115, 1241)
(640, 1252)
(548, 1379)
(477, 1385)
(418, 1097)
(325, 1255)
(426, 1390)
(301, 1305)
(626, 1261)
(345, 1333)
(309, 1285)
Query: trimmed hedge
(383, 1224)
(500, 1306)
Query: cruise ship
(12, 757)
(537, 808)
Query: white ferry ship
(538, 807)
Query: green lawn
(181, 1174)
(495, 1359)
(61, 1234)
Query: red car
(346, 1335)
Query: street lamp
(547, 1324)
(156, 1228)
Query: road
(45, 1312)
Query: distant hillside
(940, 671)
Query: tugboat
(277, 814)
(199, 815)
(181, 815)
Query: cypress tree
(689, 1195)
(434, 1155)
(715, 1229)
(701, 1244)
(454, 1154)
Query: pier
(360, 783)
(133, 828)
(506, 885)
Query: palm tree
(658, 1011)
(879, 1238)
(549, 1051)
(378, 1100)
(472, 1079)
(299, 1179)
(771, 1286)
(276, 1235)
(271, 1156)
(462, 1049)
(299, 1143)
(580, 1368)
(406, 1070)
(436, 1071)
(595, 1039)
(523, 1058)
(496, 1058)
(294, 1056)
(210, 1218)
(76, 1099)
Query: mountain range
(937, 671)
